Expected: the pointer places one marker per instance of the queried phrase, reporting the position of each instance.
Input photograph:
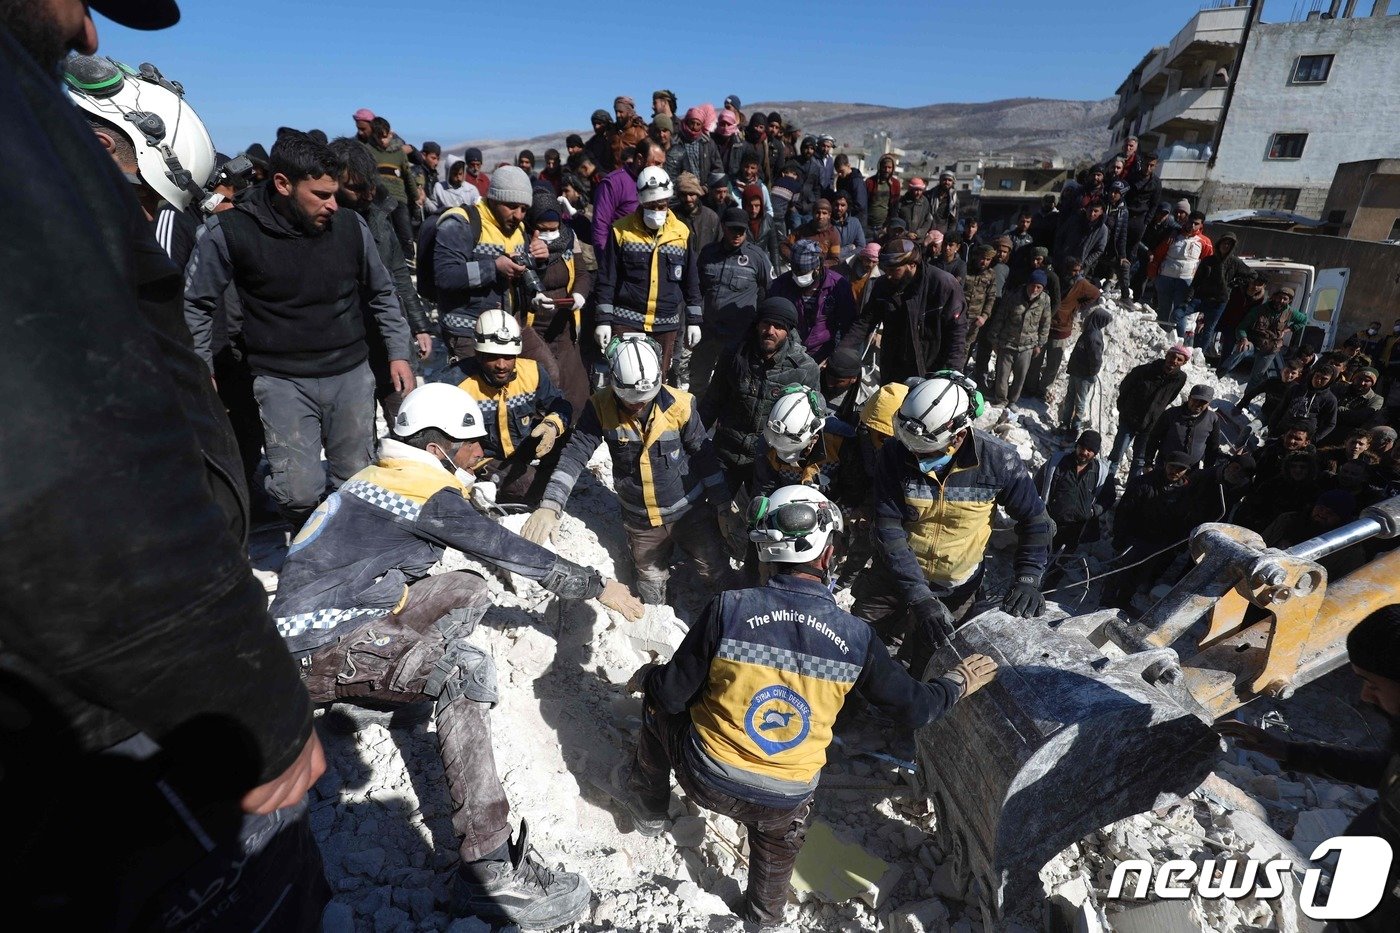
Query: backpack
(427, 243)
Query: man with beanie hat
(1018, 329)
(916, 209)
(479, 258)
(1373, 647)
(663, 130)
(573, 144)
(1078, 489)
(427, 173)
(1085, 362)
(475, 176)
(1190, 430)
(920, 310)
(748, 378)
(648, 274)
(734, 278)
(841, 385)
(599, 145)
(826, 308)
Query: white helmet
(653, 184)
(935, 410)
(443, 406)
(795, 419)
(174, 154)
(793, 525)
(498, 332)
(634, 368)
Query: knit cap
(510, 185)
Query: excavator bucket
(1071, 736)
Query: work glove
(542, 302)
(579, 301)
(1024, 599)
(483, 495)
(546, 433)
(603, 334)
(567, 209)
(540, 526)
(619, 598)
(692, 336)
(638, 683)
(935, 619)
(975, 672)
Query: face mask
(654, 219)
(931, 464)
(549, 236)
(1372, 330)
(464, 477)
(805, 279)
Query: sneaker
(521, 890)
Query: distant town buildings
(1309, 95)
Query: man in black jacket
(1078, 489)
(357, 193)
(303, 276)
(1190, 430)
(1144, 394)
(150, 702)
(921, 310)
(1216, 276)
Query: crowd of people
(794, 369)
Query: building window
(1287, 145)
(1312, 69)
(1274, 199)
(1006, 184)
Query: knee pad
(464, 670)
(460, 622)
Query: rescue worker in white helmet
(526, 414)
(360, 613)
(937, 484)
(802, 445)
(157, 140)
(649, 273)
(743, 712)
(664, 468)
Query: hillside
(1073, 129)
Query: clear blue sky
(467, 71)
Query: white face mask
(549, 236)
(804, 279)
(654, 219)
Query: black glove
(935, 619)
(1024, 599)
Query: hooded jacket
(384, 529)
(823, 315)
(924, 324)
(1218, 275)
(1080, 238)
(301, 295)
(444, 196)
(1303, 401)
(649, 279)
(663, 464)
(742, 392)
(1086, 359)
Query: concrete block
(367, 862)
(929, 916)
(1316, 826)
(688, 831)
(1161, 917)
(701, 901)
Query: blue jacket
(933, 529)
(662, 461)
(764, 673)
(384, 529)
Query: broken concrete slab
(1315, 827)
(834, 870)
(1161, 917)
(930, 916)
(688, 831)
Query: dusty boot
(521, 891)
(652, 592)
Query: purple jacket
(823, 327)
(615, 196)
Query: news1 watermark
(1358, 881)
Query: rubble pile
(564, 728)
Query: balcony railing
(1197, 105)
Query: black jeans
(420, 653)
(403, 229)
(776, 834)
